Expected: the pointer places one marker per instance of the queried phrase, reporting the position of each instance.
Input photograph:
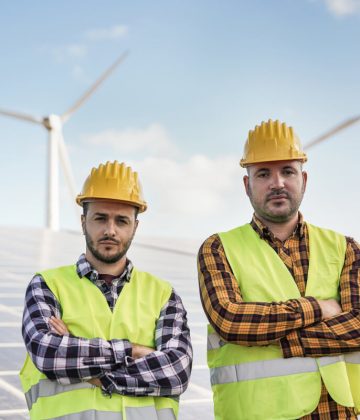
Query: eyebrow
(118, 216)
(261, 169)
(290, 167)
(100, 214)
(268, 169)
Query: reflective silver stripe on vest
(92, 415)
(262, 369)
(47, 388)
(214, 341)
(145, 413)
(132, 413)
(330, 360)
(353, 358)
(270, 368)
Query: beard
(104, 258)
(274, 213)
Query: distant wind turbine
(345, 124)
(57, 147)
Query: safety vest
(256, 382)
(87, 314)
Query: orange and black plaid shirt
(296, 325)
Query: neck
(281, 230)
(114, 269)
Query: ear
(83, 223)
(136, 225)
(246, 184)
(304, 176)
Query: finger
(57, 321)
(95, 381)
(56, 329)
(59, 325)
(56, 325)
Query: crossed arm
(302, 327)
(121, 366)
(138, 351)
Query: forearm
(160, 373)
(246, 323)
(64, 358)
(339, 334)
(166, 370)
(260, 323)
(70, 359)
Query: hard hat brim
(81, 199)
(244, 163)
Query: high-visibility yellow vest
(256, 382)
(87, 314)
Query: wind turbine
(345, 124)
(57, 147)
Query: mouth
(278, 197)
(108, 243)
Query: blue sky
(198, 77)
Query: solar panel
(23, 251)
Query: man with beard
(104, 339)
(282, 298)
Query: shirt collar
(84, 269)
(265, 233)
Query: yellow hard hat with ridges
(113, 181)
(272, 141)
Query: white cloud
(64, 52)
(343, 7)
(187, 197)
(76, 50)
(153, 140)
(79, 74)
(115, 32)
(199, 186)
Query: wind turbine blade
(66, 166)
(21, 116)
(333, 131)
(93, 88)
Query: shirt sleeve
(246, 323)
(341, 333)
(166, 371)
(67, 359)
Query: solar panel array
(25, 251)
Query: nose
(110, 229)
(277, 181)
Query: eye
(289, 171)
(99, 218)
(262, 174)
(121, 221)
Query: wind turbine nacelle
(53, 122)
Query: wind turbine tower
(57, 150)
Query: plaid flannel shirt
(68, 359)
(296, 325)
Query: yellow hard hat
(272, 141)
(113, 181)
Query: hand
(329, 308)
(139, 351)
(58, 326)
(95, 381)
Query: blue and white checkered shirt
(68, 359)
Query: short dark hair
(85, 206)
